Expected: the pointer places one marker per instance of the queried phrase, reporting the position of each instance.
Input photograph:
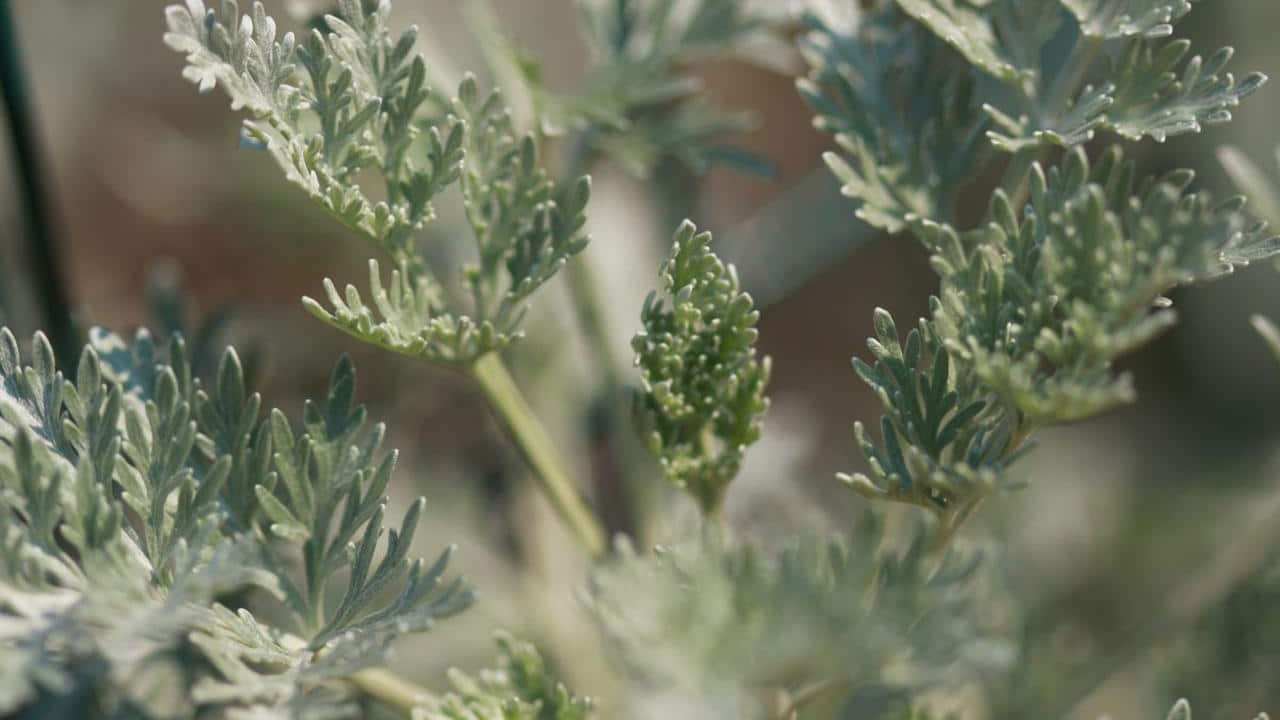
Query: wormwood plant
(169, 550)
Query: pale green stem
(948, 526)
(535, 444)
(539, 451)
(391, 690)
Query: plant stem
(539, 451)
(390, 690)
(33, 194)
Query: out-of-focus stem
(42, 240)
(390, 690)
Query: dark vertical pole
(33, 194)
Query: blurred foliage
(521, 688)
(712, 621)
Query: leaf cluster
(354, 99)
(1148, 87)
(915, 121)
(946, 441)
(1069, 269)
(1034, 307)
(1042, 301)
(136, 500)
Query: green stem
(391, 690)
(539, 451)
(34, 194)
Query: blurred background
(1141, 510)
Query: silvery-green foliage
(946, 438)
(325, 107)
(1069, 269)
(902, 108)
(522, 687)
(1119, 72)
(330, 500)
(1128, 18)
(703, 400)
(135, 498)
(1148, 87)
(639, 104)
(1040, 300)
(142, 507)
(355, 100)
(715, 621)
(1035, 306)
